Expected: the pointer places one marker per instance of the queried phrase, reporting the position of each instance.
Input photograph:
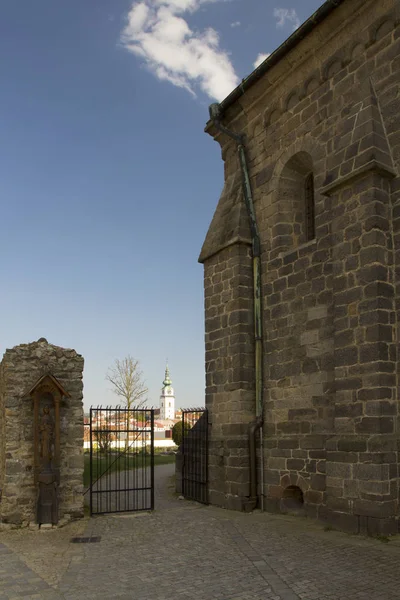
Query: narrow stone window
(294, 221)
(310, 207)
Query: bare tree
(127, 381)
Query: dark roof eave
(279, 53)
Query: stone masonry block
(369, 508)
(317, 312)
(339, 470)
(371, 472)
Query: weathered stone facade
(329, 106)
(20, 369)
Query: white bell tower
(167, 398)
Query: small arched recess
(297, 200)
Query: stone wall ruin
(21, 369)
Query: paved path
(185, 551)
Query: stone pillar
(229, 373)
(362, 456)
(229, 338)
(30, 374)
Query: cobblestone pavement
(187, 551)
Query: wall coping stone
(373, 165)
(238, 239)
(308, 244)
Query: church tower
(167, 398)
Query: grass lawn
(109, 464)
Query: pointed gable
(47, 383)
(230, 223)
(367, 146)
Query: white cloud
(236, 24)
(157, 32)
(286, 16)
(260, 58)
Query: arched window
(294, 222)
(310, 206)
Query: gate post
(183, 455)
(152, 458)
(90, 463)
(206, 454)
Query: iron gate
(121, 460)
(195, 455)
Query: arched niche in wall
(357, 50)
(271, 115)
(384, 27)
(333, 66)
(311, 85)
(47, 395)
(292, 100)
(296, 217)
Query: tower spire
(167, 381)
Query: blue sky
(108, 182)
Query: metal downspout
(256, 248)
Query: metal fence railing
(194, 450)
(121, 460)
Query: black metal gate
(121, 460)
(195, 455)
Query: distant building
(167, 398)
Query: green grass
(110, 464)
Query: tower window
(310, 207)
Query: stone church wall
(20, 369)
(330, 303)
